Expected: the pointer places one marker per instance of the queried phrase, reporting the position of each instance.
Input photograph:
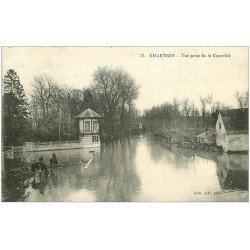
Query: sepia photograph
(125, 124)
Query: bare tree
(50, 106)
(203, 111)
(246, 99)
(186, 111)
(115, 91)
(239, 98)
(242, 99)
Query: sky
(162, 73)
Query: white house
(231, 130)
(88, 122)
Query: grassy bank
(14, 174)
(185, 140)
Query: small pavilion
(88, 122)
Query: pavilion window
(95, 127)
(87, 126)
(95, 138)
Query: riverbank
(16, 172)
(187, 145)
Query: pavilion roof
(88, 113)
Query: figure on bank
(53, 164)
(40, 171)
(40, 168)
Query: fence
(9, 151)
(49, 143)
(44, 146)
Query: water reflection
(140, 169)
(54, 179)
(118, 179)
(169, 175)
(40, 185)
(232, 171)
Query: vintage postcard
(125, 124)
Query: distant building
(137, 127)
(88, 122)
(231, 130)
(207, 137)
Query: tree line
(48, 115)
(183, 116)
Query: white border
(124, 225)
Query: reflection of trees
(175, 156)
(118, 180)
(156, 151)
(232, 171)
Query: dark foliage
(16, 126)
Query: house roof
(88, 113)
(206, 134)
(238, 142)
(235, 119)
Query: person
(53, 164)
(43, 167)
(40, 171)
(35, 167)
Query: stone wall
(51, 146)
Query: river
(142, 169)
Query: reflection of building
(232, 171)
(88, 122)
(232, 130)
(137, 127)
